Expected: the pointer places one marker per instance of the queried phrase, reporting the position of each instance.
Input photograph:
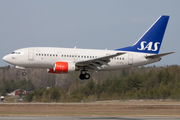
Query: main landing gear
(84, 75)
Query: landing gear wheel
(84, 75)
(87, 76)
(24, 73)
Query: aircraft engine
(62, 67)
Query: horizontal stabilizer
(159, 55)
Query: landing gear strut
(84, 75)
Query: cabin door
(130, 59)
(31, 54)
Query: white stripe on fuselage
(39, 60)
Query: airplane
(67, 60)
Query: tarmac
(89, 118)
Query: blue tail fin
(151, 40)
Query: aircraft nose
(5, 58)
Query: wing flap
(96, 63)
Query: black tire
(24, 73)
(82, 76)
(87, 76)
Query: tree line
(8, 86)
(135, 83)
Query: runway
(110, 102)
(107, 110)
(89, 118)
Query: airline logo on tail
(151, 40)
(149, 46)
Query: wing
(96, 63)
(158, 55)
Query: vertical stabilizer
(150, 41)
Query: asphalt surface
(118, 103)
(89, 118)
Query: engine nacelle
(62, 67)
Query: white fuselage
(45, 57)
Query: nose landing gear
(24, 73)
(84, 75)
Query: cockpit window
(16, 52)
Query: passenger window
(81, 56)
(64, 55)
(78, 56)
(53, 55)
(84, 56)
(87, 56)
(47, 54)
(56, 55)
(44, 54)
(122, 58)
(69, 55)
(72, 55)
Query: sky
(91, 24)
